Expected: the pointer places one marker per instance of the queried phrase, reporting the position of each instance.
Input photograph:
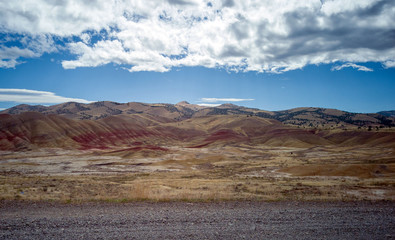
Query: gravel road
(228, 220)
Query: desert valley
(108, 151)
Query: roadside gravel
(178, 220)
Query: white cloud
(61, 18)
(213, 102)
(250, 35)
(85, 38)
(208, 104)
(335, 7)
(10, 63)
(9, 56)
(32, 47)
(33, 96)
(389, 64)
(352, 65)
(225, 99)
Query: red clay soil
(224, 135)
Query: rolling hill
(104, 125)
(305, 117)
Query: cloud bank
(33, 96)
(150, 35)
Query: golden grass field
(211, 173)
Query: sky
(271, 55)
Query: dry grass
(217, 174)
(191, 188)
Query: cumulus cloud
(33, 96)
(225, 99)
(250, 35)
(352, 65)
(29, 47)
(10, 55)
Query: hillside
(387, 113)
(104, 125)
(31, 130)
(99, 110)
(110, 151)
(333, 118)
(321, 118)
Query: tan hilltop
(304, 116)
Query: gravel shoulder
(179, 220)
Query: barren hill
(108, 124)
(302, 117)
(31, 130)
(387, 113)
(135, 151)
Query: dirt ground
(222, 172)
(178, 220)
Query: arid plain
(116, 152)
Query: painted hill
(152, 127)
(31, 130)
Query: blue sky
(202, 53)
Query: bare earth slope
(31, 130)
(108, 124)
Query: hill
(332, 118)
(104, 125)
(387, 113)
(31, 130)
(302, 117)
(110, 151)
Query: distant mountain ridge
(388, 113)
(304, 117)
